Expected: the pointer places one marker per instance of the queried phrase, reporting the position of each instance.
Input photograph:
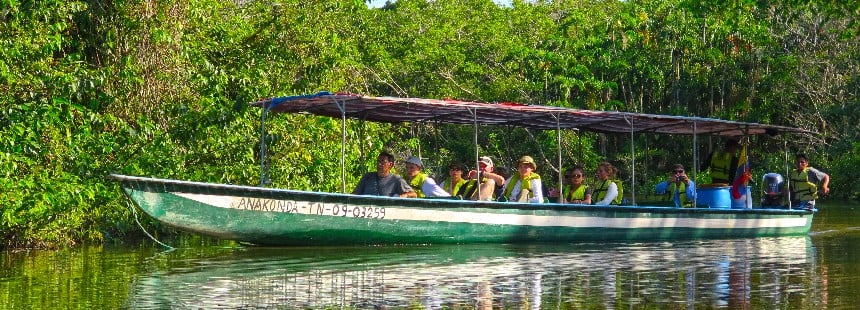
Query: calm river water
(811, 272)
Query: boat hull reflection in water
(734, 273)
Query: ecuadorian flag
(742, 176)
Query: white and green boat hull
(286, 217)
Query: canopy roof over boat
(397, 110)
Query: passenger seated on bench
(383, 182)
(678, 188)
(423, 185)
(525, 185)
(455, 179)
(575, 190)
(485, 178)
(608, 189)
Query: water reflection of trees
(735, 274)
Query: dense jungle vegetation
(161, 88)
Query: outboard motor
(772, 187)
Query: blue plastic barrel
(714, 197)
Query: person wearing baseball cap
(486, 161)
(487, 179)
(423, 185)
(525, 185)
(677, 188)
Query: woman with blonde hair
(608, 190)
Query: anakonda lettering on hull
(304, 207)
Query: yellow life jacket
(416, 184)
(801, 188)
(603, 187)
(721, 166)
(682, 194)
(468, 189)
(452, 188)
(577, 194)
(526, 184)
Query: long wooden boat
(269, 216)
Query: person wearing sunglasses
(678, 187)
(575, 189)
(455, 179)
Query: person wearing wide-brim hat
(423, 185)
(525, 185)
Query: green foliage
(161, 89)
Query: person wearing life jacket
(384, 182)
(423, 185)
(575, 190)
(482, 181)
(455, 179)
(525, 185)
(678, 188)
(723, 163)
(608, 190)
(804, 183)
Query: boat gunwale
(270, 193)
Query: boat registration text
(305, 207)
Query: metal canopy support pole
(477, 156)
(695, 155)
(264, 167)
(440, 166)
(748, 191)
(560, 167)
(341, 105)
(787, 172)
(645, 153)
(632, 164)
(417, 133)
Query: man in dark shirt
(383, 182)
